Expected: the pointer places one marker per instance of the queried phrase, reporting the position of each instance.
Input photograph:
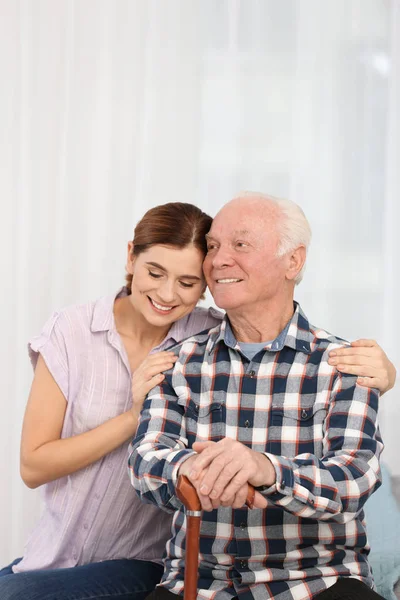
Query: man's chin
(226, 303)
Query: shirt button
(247, 423)
(304, 414)
(312, 501)
(75, 556)
(252, 373)
(85, 526)
(97, 496)
(242, 526)
(243, 564)
(283, 485)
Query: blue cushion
(383, 526)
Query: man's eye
(210, 247)
(186, 285)
(155, 275)
(241, 244)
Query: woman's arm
(366, 359)
(45, 456)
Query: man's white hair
(294, 229)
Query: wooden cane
(190, 500)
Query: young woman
(94, 364)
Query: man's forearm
(336, 485)
(153, 470)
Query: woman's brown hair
(177, 224)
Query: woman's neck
(130, 323)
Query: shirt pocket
(299, 428)
(205, 422)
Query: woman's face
(167, 282)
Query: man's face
(241, 266)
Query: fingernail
(333, 353)
(193, 474)
(214, 494)
(332, 361)
(204, 489)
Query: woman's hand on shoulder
(149, 374)
(367, 360)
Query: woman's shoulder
(200, 319)
(72, 323)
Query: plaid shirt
(317, 427)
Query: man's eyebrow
(234, 233)
(157, 266)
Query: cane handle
(187, 494)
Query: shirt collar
(103, 312)
(296, 334)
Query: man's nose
(222, 257)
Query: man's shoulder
(322, 342)
(321, 339)
(201, 319)
(197, 344)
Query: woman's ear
(130, 258)
(203, 293)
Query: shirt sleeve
(50, 343)
(160, 447)
(336, 486)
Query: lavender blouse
(94, 514)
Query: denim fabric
(110, 580)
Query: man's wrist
(267, 475)
(185, 466)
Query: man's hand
(222, 470)
(366, 359)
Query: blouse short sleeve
(51, 344)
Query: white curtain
(109, 107)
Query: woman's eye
(155, 275)
(186, 285)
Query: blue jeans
(110, 580)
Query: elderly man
(255, 401)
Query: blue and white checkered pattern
(318, 428)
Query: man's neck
(260, 323)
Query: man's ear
(130, 258)
(297, 258)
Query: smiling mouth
(226, 280)
(160, 308)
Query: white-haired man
(255, 401)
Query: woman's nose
(166, 292)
